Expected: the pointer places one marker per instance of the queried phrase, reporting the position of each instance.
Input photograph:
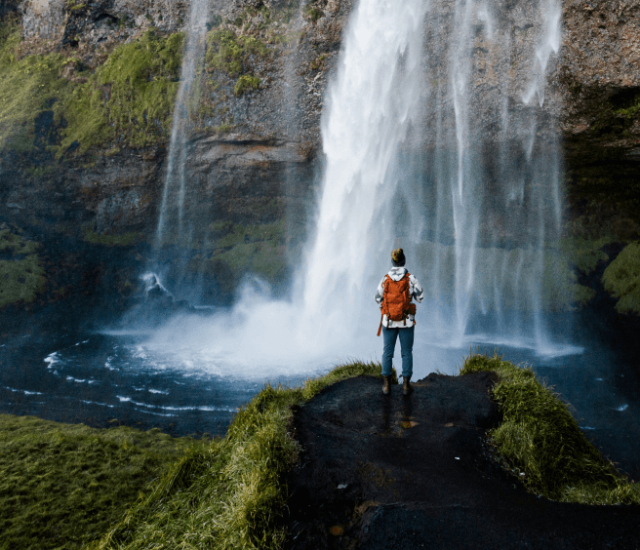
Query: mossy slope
(126, 101)
(64, 485)
(539, 438)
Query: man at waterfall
(394, 295)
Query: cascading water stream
(491, 170)
(372, 107)
(171, 216)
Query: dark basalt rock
(382, 473)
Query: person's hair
(398, 258)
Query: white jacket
(416, 291)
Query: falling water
(372, 107)
(171, 215)
(433, 141)
(490, 203)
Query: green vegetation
(584, 254)
(21, 274)
(232, 53)
(63, 485)
(622, 279)
(312, 12)
(318, 62)
(129, 99)
(560, 288)
(229, 494)
(246, 82)
(614, 116)
(126, 239)
(28, 86)
(240, 249)
(539, 438)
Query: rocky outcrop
(378, 472)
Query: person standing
(394, 294)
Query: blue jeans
(390, 336)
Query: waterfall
(372, 108)
(491, 169)
(442, 150)
(171, 216)
(432, 141)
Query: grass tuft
(540, 438)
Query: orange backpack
(396, 300)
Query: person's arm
(380, 292)
(416, 289)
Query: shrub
(246, 82)
(622, 279)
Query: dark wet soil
(385, 473)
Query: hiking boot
(406, 386)
(386, 387)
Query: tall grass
(539, 438)
(229, 494)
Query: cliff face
(87, 98)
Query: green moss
(313, 13)
(63, 485)
(223, 128)
(129, 99)
(232, 53)
(257, 249)
(28, 86)
(127, 239)
(230, 495)
(245, 83)
(22, 276)
(622, 279)
(560, 288)
(539, 438)
(615, 115)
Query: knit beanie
(397, 256)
